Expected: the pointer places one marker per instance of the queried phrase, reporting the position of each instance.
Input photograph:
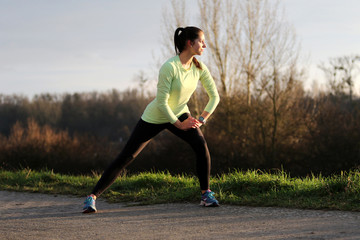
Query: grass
(250, 188)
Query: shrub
(39, 148)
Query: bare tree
(259, 24)
(240, 34)
(142, 80)
(174, 16)
(340, 73)
(281, 81)
(219, 20)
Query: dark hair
(182, 35)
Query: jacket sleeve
(210, 87)
(166, 76)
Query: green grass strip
(250, 188)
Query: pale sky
(86, 45)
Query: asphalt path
(41, 216)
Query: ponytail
(179, 40)
(197, 64)
(181, 36)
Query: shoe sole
(209, 204)
(90, 210)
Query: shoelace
(88, 200)
(211, 195)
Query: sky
(91, 45)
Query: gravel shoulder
(41, 216)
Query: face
(199, 44)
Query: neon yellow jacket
(174, 89)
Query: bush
(39, 148)
(80, 133)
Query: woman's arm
(166, 75)
(209, 84)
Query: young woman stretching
(178, 79)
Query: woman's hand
(188, 123)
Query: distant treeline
(83, 132)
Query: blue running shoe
(89, 206)
(208, 199)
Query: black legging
(141, 136)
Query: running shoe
(208, 199)
(89, 205)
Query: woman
(178, 79)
